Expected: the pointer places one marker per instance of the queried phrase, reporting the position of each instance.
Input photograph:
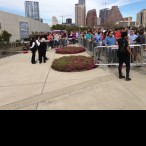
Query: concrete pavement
(37, 87)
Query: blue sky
(133, 9)
(48, 9)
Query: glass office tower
(32, 10)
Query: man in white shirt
(56, 39)
(132, 38)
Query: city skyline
(64, 7)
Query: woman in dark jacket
(124, 54)
(33, 49)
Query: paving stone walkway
(37, 87)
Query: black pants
(51, 44)
(45, 54)
(126, 60)
(33, 57)
(42, 55)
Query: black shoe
(128, 79)
(40, 62)
(121, 77)
(44, 61)
(34, 63)
(138, 66)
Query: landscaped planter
(73, 64)
(70, 50)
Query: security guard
(33, 49)
(123, 54)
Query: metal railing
(104, 56)
(88, 45)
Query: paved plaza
(24, 86)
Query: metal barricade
(88, 45)
(80, 41)
(144, 53)
(104, 56)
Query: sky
(50, 8)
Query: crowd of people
(103, 37)
(120, 36)
(123, 37)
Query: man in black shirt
(124, 53)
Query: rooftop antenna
(105, 4)
(63, 17)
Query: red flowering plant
(70, 50)
(73, 63)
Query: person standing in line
(110, 41)
(74, 37)
(98, 38)
(56, 40)
(50, 40)
(89, 36)
(140, 40)
(65, 39)
(33, 50)
(77, 36)
(70, 37)
(98, 42)
(133, 37)
(124, 53)
(117, 34)
(141, 37)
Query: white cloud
(49, 8)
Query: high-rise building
(80, 13)
(103, 14)
(82, 2)
(114, 15)
(141, 18)
(91, 20)
(110, 16)
(69, 21)
(54, 20)
(98, 21)
(32, 10)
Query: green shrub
(73, 63)
(70, 50)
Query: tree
(68, 28)
(5, 36)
